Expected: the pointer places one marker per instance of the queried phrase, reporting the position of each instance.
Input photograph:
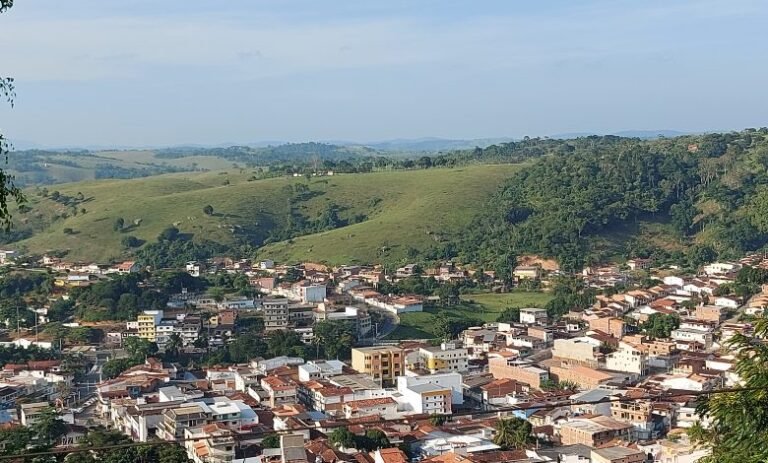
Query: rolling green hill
(390, 213)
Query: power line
(659, 397)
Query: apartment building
(445, 358)
(627, 358)
(426, 398)
(275, 314)
(384, 363)
(147, 324)
(175, 420)
(281, 391)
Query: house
(126, 267)
(195, 268)
(610, 325)
(450, 381)
(31, 412)
(384, 407)
(533, 315)
(578, 351)
(390, 455)
(425, 398)
(702, 337)
(593, 432)
(639, 264)
(320, 369)
(280, 390)
(617, 454)
(526, 272)
(713, 313)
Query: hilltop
(399, 211)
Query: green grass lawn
(482, 306)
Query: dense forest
(709, 194)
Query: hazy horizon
(144, 73)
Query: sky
(165, 72)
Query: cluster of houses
(588, 383)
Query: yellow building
(445, 358)
(148, 322)
(383, 363)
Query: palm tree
(513, 433)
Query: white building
(194, 268)
(627, 359)
(452, 381)
(425, 398)
(322, 369)
(311, 293)
(533, 315)
(447, 357)
(692, 335)
(720, 268)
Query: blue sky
(161, 72)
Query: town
(252, 361)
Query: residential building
(148, 322)
(213, 443)
(578, 351)
(440, 359)
(526, 272)
(324, 397)
(533, 315)
(609, 325)
(30, 413)
(627, 358)
(385, 407)
(384, 363)
(617, 454)
(426, 398)
(280, 390)
(593, 432)
(586, 378)
(390, 455)
(639, 264)
(175, 420)
(704, 338)
(320, 369)
(524, 372)
(638, 413)
(451, 381)
(275, 314)
(712, 313)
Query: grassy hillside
(395, 210)
(407, 211)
